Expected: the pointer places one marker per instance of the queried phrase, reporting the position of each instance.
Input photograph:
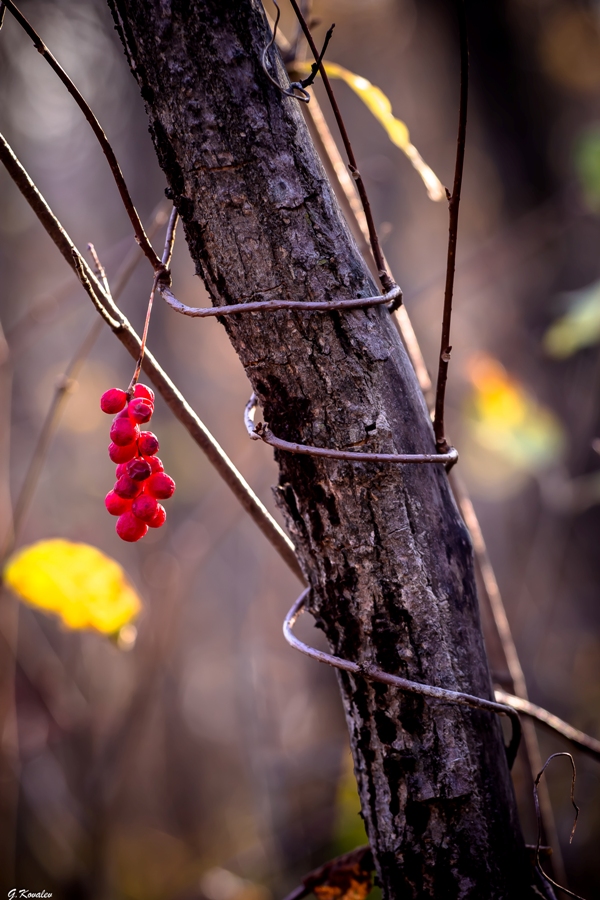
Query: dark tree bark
(383, 546)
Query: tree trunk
(383, 546)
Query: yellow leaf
(77, 582)
(580, 325)
(377, 102)
(505, 420)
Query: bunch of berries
(141, 479)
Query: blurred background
(195, 756)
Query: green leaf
(577, 328)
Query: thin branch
(47, 432)
(302, 94)
(100, 270)
(25, 325)
(140, 359)
(140, 234)
(166, 259)
(170, 238)
(538, 864)
(202, 312)
(413, 687)
(453, 209)
(128, 337)
(374, 239)
(493, 597)
(346, 192)
(580, 739)
(263, 433)
(53, 415)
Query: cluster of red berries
(141, 479)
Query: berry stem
(158, 273)
(138, 367)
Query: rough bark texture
(383, 546)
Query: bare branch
(352, 164)
(580, 739)
(412, 687)
(128, 337)
(201, 312)
(140, 234)
(170, 238)
(538, 864)
(263, 433)
(453, 208)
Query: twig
(538, 864)
(53, 414)
(302, 94)
(140, 234)
(158, 276)
(128, 337)
(413, 687)
(347, 194)
(518, 684)
(100, 270)
(140, 359)
(352, 164)
(201, 312)
(170, 238)
(48, 429)
(23, 329)
(263, 433)
(453, 208)
(580, 739)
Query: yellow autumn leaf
(77, 582)
(377, 102)
(504, 419)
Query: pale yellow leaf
(505, 420)
(77, 582)
(377, 102)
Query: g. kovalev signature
(24, 894)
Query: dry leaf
(348, 877)
(377, 102)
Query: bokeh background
(204, 760)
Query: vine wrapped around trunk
(383, 547)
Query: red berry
(160, 485)
(130, 528)
(122, 454)
(128, 488)
(141, 390)
(113, 401)
(159, 517)
(140, 410)
(145, 507)
(147, 443)
(123, 431)
(121, 469)
(139, 469)
(155, 464)
(116, 505)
